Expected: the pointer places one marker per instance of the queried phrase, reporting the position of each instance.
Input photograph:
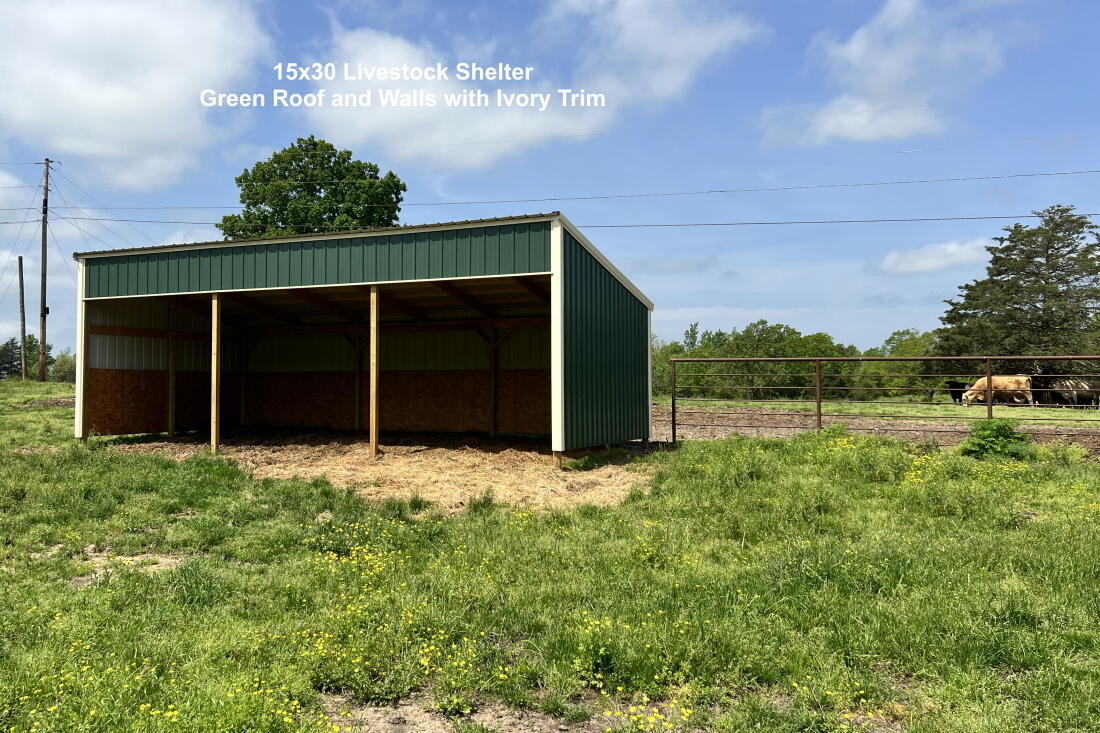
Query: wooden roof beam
(326, 304)
(393, 303)
(480, 308)
(258, 306)
(533, 289)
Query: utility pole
(44, 309)
(22, 325)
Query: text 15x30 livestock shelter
(516, 326)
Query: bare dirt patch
(414, 714)
(51, 402)
(103, 563)
(449, 471)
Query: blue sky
(700, 95)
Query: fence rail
(1052, 378)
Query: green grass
(25, 422)
(823, 583)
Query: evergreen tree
(1041, 293)
(9, 358)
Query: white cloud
(893, 73)
(636, 52)
(119, 80)
(935, 258)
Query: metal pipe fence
(734, 388)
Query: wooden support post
(373, 416)
(559, 459)
(215, 370)
(171, 368)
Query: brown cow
(1006, 388)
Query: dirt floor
(790, 422)
(449, 471)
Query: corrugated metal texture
(432, 350)
(127, 352)
(606, 354)
(148, 352)
(302, 353)
(417, 255)
(526, 348)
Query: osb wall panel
(301, 399)
(437, 401)
(121, 401)
(124, 401)
(523, 401)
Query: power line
(600, 197)
(140, 233)
(24, 248)
(814, 221)
(57, 246)
(18, 235)
(642, 225)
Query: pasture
(827, 582)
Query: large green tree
(312, 187)
(1040, 295)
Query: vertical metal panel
(606, 334)
(302, 353)
(489, 250)
(432, 350)
(146, 352)
(526, 348)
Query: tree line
(1040, 297)
(59, 368)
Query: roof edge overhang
(352, 234)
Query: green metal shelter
(513, 326)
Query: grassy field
(823, 583)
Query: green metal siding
(606, 354)
(470, 252)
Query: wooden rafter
(466, 299)
(388, 301)
(328, 304)
(351, 328)
(532, 288)
(258, 306)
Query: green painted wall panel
(606, 345)
(472, 252)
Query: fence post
(817, 390)
(673, 365)
(988, 388)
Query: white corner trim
(81, 352)
(649, 370)
(557, 339)
(592, 249)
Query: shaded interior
(468, 355)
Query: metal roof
(321, 235)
